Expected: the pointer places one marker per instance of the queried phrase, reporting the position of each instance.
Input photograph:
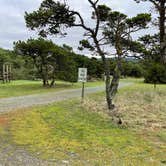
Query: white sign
(82, 75)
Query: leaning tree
(53, 17)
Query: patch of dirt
(3, 120)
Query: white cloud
(13, 24)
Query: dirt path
(13, 103)
(15, 156)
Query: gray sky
(13, 24)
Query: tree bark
(107, 83)
(45, 76)
(44, 82)
(115, 81)
(162, 31)
(53, 77)
(52, 83)
(112, 86)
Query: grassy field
(84, 134)
(25, 87)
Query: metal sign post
(83, 89)
(82, 77)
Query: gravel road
(13, 103)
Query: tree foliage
(50, 60)
(160, 6)
(53, 14)
(155, 73)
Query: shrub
(156, 73)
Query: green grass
(134, 80)
(67, 131)
(25, 87)
(84, 134)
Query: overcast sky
(13, 24)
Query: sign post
(82, 77)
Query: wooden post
(3, 73)
(6, 73)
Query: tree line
(67, 62)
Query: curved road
(13, 103)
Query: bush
(156, 73)
(132, 69)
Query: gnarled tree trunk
(112, 86)
(115, 81)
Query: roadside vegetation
(84, 134)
